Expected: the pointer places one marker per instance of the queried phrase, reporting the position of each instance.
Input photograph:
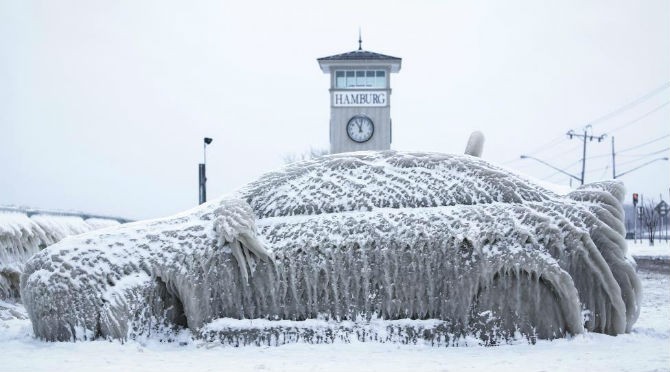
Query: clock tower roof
(359, 57)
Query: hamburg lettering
(359, 99)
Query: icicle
(235, 225)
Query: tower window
(340, 80)
(356, 79)
(380, 80)
(369, 78)
(351, 79)
(360, 78)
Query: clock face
(360, 128)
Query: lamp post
(638, 167)
(581, 180)
(202, 178)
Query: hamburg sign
(360, 98)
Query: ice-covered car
(387, 246)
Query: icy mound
(451, 244)
(22, 236)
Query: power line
(566, 167)
(644, 144)
(598, 156)
(604, 169)
(640, 117)
(571, 149)
(548, 145)
(639, 156)
(598, 169)
(640, 166)
(553, 167)
(551, 144)
(558, 140)
(614, 172)
(647, 154)
(628, 155)
(630, 161)
(631, 104)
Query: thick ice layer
(22, 236)
(353, 236)
(389, 179)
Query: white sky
(103, 104)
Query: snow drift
(432, 246)
(22, 236)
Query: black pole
(202, 180)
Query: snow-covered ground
(661, 248)
(647, 348)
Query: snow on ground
(647, 348)
(661, 248)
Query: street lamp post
(638, 167)
(581, 180)
(202, 178)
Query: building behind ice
(386, 246)
(24, 232)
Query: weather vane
(360, 41)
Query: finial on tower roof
(360, 41)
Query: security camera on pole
(202, 178)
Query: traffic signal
(634, 198)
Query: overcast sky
(103, 104)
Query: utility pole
(585, 136)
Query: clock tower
(360, 99)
